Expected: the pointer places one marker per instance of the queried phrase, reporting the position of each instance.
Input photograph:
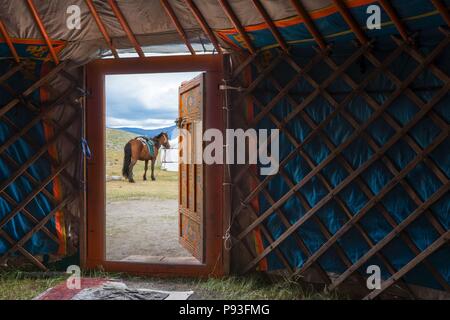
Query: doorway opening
(143, 190)
(200, 221)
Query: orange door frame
(94, 257)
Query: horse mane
(160, 135)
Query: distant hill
(115, 142)
(172, 131)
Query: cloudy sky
(146, 101)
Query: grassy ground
(20, 286)
(166, 184)
(255, 287)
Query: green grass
(258, 287)
(16, 285)
(165, 187)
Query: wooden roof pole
(309, 23)
(102, 28)
(178, 26)
(44, 33)
(203, 24)
(237, 24)
(123, 22)
(442, 10)
(273, 28)
(390, 11)
(8, 41)
(350, 20)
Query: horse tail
(126, 160)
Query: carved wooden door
(191, 216)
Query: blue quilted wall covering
(397, 202)
(21, 151)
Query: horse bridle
(157, 143)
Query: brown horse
(136, 150)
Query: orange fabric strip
(36, 52)
(57, 189)
(316, 14)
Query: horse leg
(153, 170)
(132, 164)
(145, 170)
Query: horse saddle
(149, 143)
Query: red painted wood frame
(95, 130)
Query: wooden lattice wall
(248, 186)
(61, 112)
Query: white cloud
(143, 124)
(136, 96)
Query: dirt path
(142, 227)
